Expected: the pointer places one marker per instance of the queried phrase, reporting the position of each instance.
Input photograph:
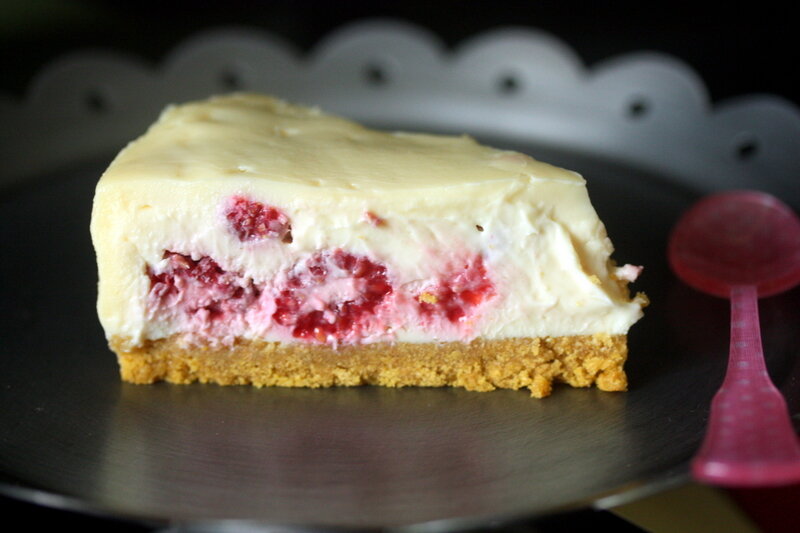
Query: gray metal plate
(349, 457)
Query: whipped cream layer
(246, 217)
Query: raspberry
(200, 286)
(459, 294)
(332, 296)
(250, 220)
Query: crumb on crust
(482, 365)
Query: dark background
(736, 48)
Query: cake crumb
(428, 298)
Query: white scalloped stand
(645, 109)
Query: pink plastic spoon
(742, 245)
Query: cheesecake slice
(246, 240)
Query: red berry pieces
(200, 286)
(250, 220)
(374, 219)
(332, 296)
(458, 295)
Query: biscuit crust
(481, 365)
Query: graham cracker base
(482, 365)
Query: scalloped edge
(644, 108)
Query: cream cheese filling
(439, 200)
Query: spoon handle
(750, 440)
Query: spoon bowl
(737, 238)
(742, 245)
